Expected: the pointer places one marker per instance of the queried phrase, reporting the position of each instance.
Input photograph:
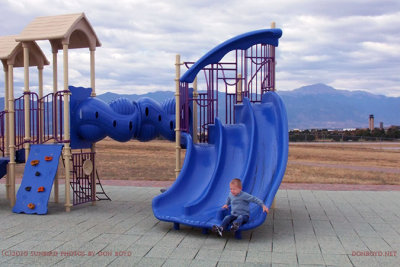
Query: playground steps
(40, 171)
(100, 194)
(81, 186)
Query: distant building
(371, 122)
(381, 125)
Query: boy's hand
(225, 206)
(265, 209)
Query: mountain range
(312, 107)
(317, 106)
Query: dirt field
(346, 163)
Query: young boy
(239, 201)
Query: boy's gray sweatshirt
(240, 203)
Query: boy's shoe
(217, 229)
(235, 227)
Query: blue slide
(254, 149)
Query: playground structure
(37, 118)
(71, 119)
(249, 141)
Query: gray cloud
(349, 45)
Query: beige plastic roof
(11, 52)
(72, 29)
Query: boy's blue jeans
(241, 219)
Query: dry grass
(155, 160)
(359, 154)
(329, 175)
(136, 161)
(339, 158)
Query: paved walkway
(308, 228)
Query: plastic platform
(40, 171)
(3, 166)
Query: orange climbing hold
(41, 189)
(34, 162)
(31, 206)
(48, 158)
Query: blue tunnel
(122, 120)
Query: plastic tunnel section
(254, 149)
(92, 119)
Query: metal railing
(45, 116)
(58, 116)
(19, 106)
(243, 73)
(82, 184)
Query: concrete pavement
(308, 228)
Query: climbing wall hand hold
(48, 158)
(41, 189)
(37, 173)
(34, 162)
(31, 206)
(28, 188)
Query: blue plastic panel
(41, 175)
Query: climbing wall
(40, 171)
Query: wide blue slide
(254, 149)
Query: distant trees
(345, 135)
(393, 132)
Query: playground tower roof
(72, 29)
(11, 52)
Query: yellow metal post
(67, 148)
(177, 116)
(55, 88)
(239, 89)
(7, 136)
(7, 151)
(93, 94)
(273, 206)
(27, 108)
(41, 110)
(11, 129)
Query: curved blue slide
(254, 149)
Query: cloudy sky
(352, 45)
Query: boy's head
(236, 186)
